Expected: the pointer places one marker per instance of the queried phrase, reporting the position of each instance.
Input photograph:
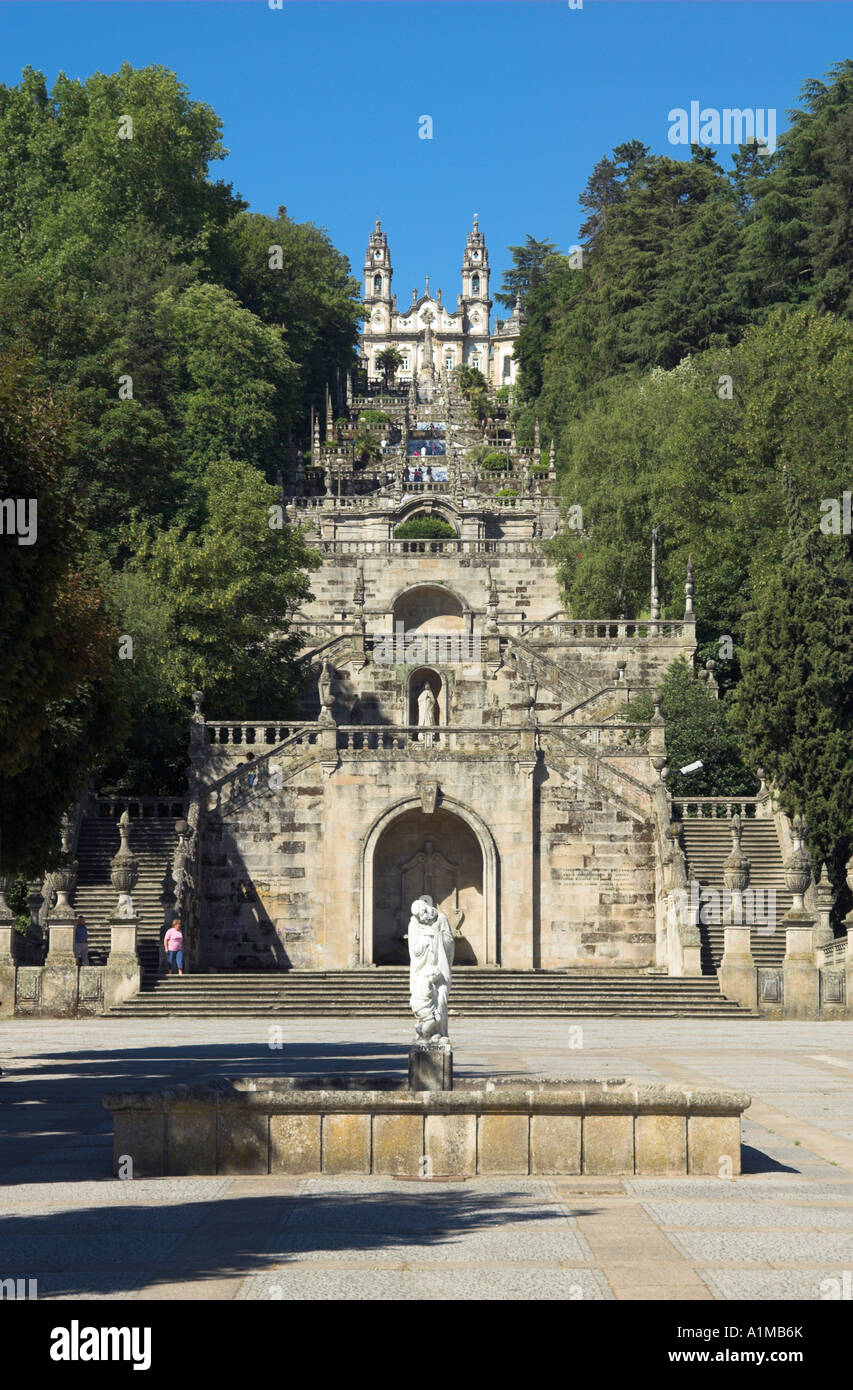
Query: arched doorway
(448, 855)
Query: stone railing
(393, 738)
(263, 770)
(598, 630)
(628, 740)
(834, 952)
(186, 865)
(251, 734)
(139, 807)
(427, 547)
(717, 807)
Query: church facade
(431, 336)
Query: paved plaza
(782, 1230)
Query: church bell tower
(475, 299)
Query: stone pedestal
(61, 976)
(800, 975)
(122, 976)
(737, 975)
(431, 1067)
(8, 947)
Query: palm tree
(388, 361)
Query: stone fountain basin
(374, 1124)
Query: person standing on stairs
(173, 944)
(81, 940)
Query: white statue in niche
(431, 957)
(426, 713)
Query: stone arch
(426, 607)
(485, 947)
(427, 506)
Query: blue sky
(321, 100)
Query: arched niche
(429, 608)
(448, 853)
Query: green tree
(388, 361)
(798, 243)
(230, 586)
(697, 729)
(794, 703)
(57, 707)
(528, 270)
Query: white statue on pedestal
(426, 714)
(431, 957)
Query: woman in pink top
(173, 943)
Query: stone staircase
(707, 843)
(384, 991)
(153, 840)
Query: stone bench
(374, 1124)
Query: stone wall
(564, 874)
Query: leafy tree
(794, 703)
(528, 270)
(311, 297)
(697, 729)
(229, 587)
(56, 698)
(799, 240)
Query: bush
(424, 528)
(540, 468)
(507, 492)
(373, 417)
(496, 463)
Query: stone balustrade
(597, 630)
(392, 738)
(835, 952)
(139, 807)
(717, 807)
(252, 733)
(427, 547)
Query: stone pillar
(738, 976)
(823, 933)
(800, 975)
(848, 964)
(8, 951)
(122, 977)
(61, 974)
(431, 1066)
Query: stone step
(486, 994)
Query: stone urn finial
(6, 884)
(124, 871)
(657, 701)
(798, 866)
(65, 876)
(198, 697)
(824, 889)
